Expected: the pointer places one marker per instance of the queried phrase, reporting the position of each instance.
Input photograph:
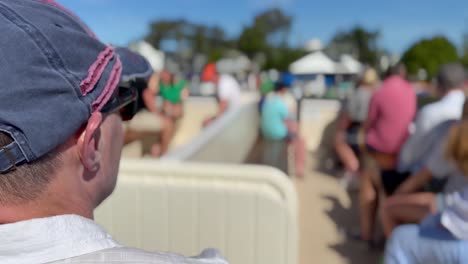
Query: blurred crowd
(409, 162)
(403, 147)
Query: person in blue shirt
(277, 123)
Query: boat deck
(325, 211)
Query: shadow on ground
(347, 219)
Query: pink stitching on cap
(112, 83)
(96, 70)
(61, 7)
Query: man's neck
(42, 209)
(451, 91)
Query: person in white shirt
(61, 139)
(450, 86)
(228, 92)
(443, 237)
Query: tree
(275, 25)
(281, 58)
(429, 54)
(464, 59)
(252, 41)
(198, 38)
(358, 42)
(269, 29)
(165, 30)
(268, 35)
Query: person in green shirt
(172, 94)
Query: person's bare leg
(300, 153)
(167, 133)
(345, 153)
(407, 209)
(167, 107)
(368, 200)
(177, 111)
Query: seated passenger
(443, 237)
(450, 88)
(278, 124)
(227, 90)
(411, 204)
(391, 112)
(287, 97)
(149, 120)
(422, 154)
(350, 121)
(172, 94)
(61, 139)
(406, 207)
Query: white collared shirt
(414, 152)
(50, 239)
(229, 90)
(73, 239)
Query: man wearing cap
(61, 138)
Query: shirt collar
(50, 239)
(454, 95)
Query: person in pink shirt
(391, 111)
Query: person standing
(278, 123)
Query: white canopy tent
(314, 63)
(319, 63)
(350, 64)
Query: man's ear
(88, 143)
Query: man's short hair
(280, 86)
(27, 182)
(397, 69)
(450, 76)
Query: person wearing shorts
(277, 123)
(172, 94)
(412, 203)
(149, 120)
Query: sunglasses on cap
(123, 101)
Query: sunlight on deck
(325, 208)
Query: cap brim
(134, 65)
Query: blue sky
(402, 22)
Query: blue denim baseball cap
(140, 66)
(54, 73)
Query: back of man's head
(55, 78)
(451, 76)
(398, 69)
(28, 181)
(58, 80)
(280, 87)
